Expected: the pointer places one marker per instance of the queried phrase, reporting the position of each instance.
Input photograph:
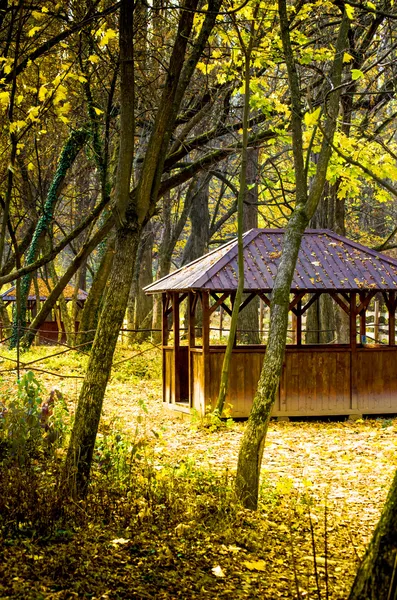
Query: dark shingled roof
(326, 261)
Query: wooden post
(363, 322)
(232, 299)
(353, 351)
(164, 337)
(294, 328)
(205, 303)
(299, 324)
(191, 341)
(261, 317)
(392, 319)
(220, 321)
(176, 361)
(376, 322)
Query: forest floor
(323, 487)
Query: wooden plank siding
(316, 381)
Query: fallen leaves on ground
(326, 478)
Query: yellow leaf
(37, 15)
(63, 119)
(349, 11)
(7, 69)
(98, 110)
(312, 118)
(93, 58)
(44, 9)
(60, 94)
(4, 98)
(30, 166)
(255, 565)
(33, 112)
(33, 31)
(42, 93)
(347, 57)
(108, 35)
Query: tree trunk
(249, 316)
(251, 449)
(376, 577)
(198, 240)
(140, 305)
(82, 441)
(89, 318)
(320, 321)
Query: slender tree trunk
(81, 446)
(249, 316)
(140, 305)
(224, 384)
(66, 319)
(91, 310)
(251, 449)
(376, 577)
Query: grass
(161, 519)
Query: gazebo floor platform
(316, 380)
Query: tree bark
(140, 305)
(251, 449)
(132, 212)
(90, 316)
(249, 316)
(376, 577)
(82, 441)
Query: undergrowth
(154, 522)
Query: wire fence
(21, 365)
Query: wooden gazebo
(328, 379)
(49, 331)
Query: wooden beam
(226, 308)
(339, 301)
(308, 304)
(176, 361)
(219, 301)
(365, 300)
(247, 301)
(265, 299)
(298, 297)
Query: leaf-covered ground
(324, 484)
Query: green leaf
(356, 74)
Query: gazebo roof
(326, 261)
(68, 292)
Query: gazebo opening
(349, 368)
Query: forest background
(121, 151)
